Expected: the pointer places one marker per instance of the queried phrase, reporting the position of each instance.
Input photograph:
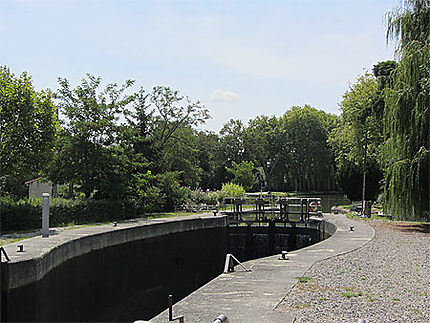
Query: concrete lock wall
(127, 276)
(124, 274)
(252, 242)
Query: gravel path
(387, 280)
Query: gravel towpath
(387, 280)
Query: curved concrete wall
(252, 242)
(121, 273)
(111, 273)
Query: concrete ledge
(43, 254)
(253, 296)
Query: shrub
(172, 194)
(198, 196)
(233, 190)
(27, 214)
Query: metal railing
(179, 318)
(273, 209)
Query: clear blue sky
(241, 58)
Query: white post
(45, 215)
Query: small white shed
(38, 186)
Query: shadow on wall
(123, 282)
(252, 242)
(132, 280)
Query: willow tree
(407, 112)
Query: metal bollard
(284, 255)
(221, 318)
(45, 215)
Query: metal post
(45, 215)
(171, 318)
(363, 193)
(170, 305)
(228, 265)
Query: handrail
(4, 253)
(228, 266)
(171, 318)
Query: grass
(352, 294)
(172, 214)
(304, 305)
(69, 226)
(72, 226)
(303, 279)
(353, 215)
(5, 241)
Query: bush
(27, 214)
(198, 196)
(233, 190)
(172, 195)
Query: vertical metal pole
(45, 215)
(364, 173)
(170, 305)
(171, 318)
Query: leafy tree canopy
(28, 124)
(243, 174)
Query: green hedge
(27, 214)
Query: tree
(310, 162)
(232, 139)
(357, 138)
(161, 146)
(384, 73)
(173, 112)
(263, 145)
(88, 154)
(243, 174)
(180, 155)
(406, 117)
(174, 117)
(210, 160)
(29, 126)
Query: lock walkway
(253, 296)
